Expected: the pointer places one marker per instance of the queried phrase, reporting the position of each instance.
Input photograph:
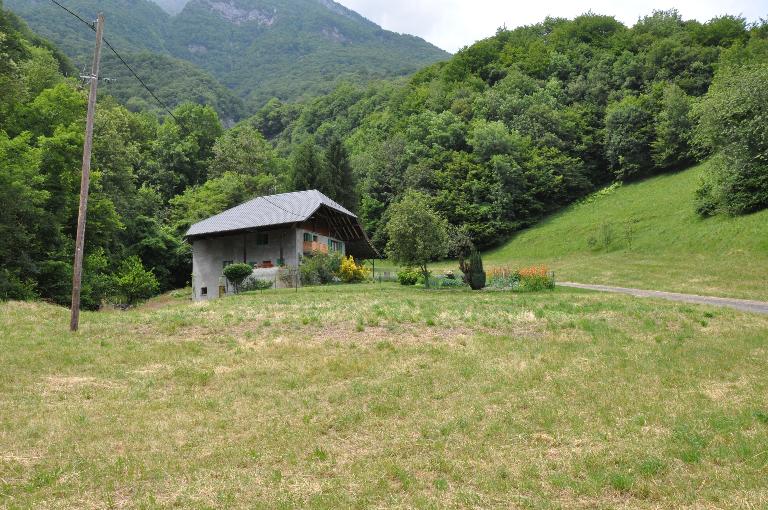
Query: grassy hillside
(647, 235)
(381, 396)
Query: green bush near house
(253, 284)
(237, 274)
(408, 276)
(133, 283)
(320, 268)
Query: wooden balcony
(314, 246)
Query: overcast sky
(451, 24)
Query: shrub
(237, 273)
(351, 272)
(733, 124)
(13, 287)
(447, 283)
(251, 284)
(97, 283)
(476, 274)
(408, 276)
(133, 284)
(425, 278)
(706, 201)
(602, 238)
(289, 276)
(320, 268)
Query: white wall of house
(211, 255)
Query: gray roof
(265, 211)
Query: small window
(262, 239)
(307, 237)
(314, 238)
(204, 291)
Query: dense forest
(510, 129)
(522, 123)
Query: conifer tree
(309, 170)
(340, 171)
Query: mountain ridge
(259, 49)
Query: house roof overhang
(279, 211)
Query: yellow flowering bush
(351, 272)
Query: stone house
(272, 234)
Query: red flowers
(534, 271)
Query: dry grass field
(377, 396)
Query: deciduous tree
(417, 234)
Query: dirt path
(739, 304)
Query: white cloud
(451, 24)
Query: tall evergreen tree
(309, 170)
(340, 171)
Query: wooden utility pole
(85, 181)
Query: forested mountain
(289, 49)
(131, 25)
(173, 80)
(292, 48)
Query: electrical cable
(92, 26)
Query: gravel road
(744, 305)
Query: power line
(93, 27)
(284, 210)
(90, 24)
(140, 80)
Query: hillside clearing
(373, 396)
(645, 235)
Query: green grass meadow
(645, 235)
(648, 235)
(374, 396)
